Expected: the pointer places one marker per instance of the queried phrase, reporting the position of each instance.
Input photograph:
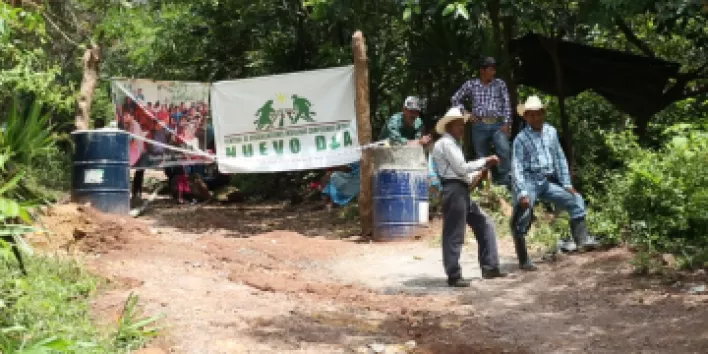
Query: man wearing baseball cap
(491, 111)
(406, 127)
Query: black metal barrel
(101, 172)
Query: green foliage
(28, 147)
(548, 229)
(660, 203)
(48, 177)
(27, 136)
(24, 64)
(48, 312)
(133, 329)
(349, 211)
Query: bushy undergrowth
(659, 202)
(48, 311)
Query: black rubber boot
(491, 273)
(458, 282)
(581, 235)
(519, 236)
(525, 262)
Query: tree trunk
(641, 125)
(92, 63)
(567, 135)
(508, 34)
(493, 7)
(363, 118)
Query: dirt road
(275, 279)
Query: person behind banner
(190, 185)
(157, 152)
(132, 126)
(342, 185)
(405, 127)
(136, 153)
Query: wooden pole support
(92, 62)
(363, 119)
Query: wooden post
(508, 57)
(91, 61)
(363, 118)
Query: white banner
(286, 122)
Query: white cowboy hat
(452, 114)
(533, 103)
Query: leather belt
(488, 120)
(452, 180)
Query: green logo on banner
(270, 117)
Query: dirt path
(269, 278)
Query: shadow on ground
(246, 219)
(593, 304)
(432, 332)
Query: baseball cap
(487, 62)
(412, 103)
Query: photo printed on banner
(166, 114)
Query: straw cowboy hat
(533, 103)
(452, 114)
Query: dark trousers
(138, 183)
(458, 212)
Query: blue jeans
(552, 192)
(483, 136)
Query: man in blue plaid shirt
(540, 171)
(491, 109)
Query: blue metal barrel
(101, 171)
(400, 203)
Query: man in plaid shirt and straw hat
(540, 171)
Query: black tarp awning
(628, 81)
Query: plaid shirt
(490, 100)
(536, 156)
(398, 132)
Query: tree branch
(632, 38)
(49, 20)
(694, 74)
(699, 91)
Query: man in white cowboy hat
(406, 127)
(491, 110)
(458, 209)
(540, 171)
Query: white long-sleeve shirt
(450, 161)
